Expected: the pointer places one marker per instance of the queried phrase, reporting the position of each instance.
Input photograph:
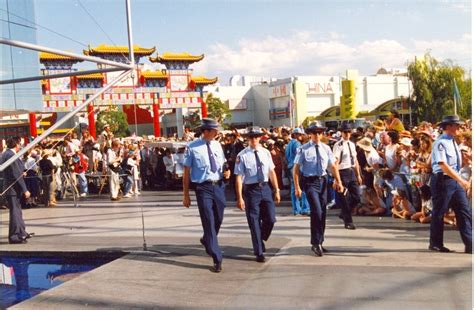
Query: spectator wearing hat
(300, 204)
(448, 187)
(113, 159)
(312, 161)
(254, 168)
(205, 167)
(393, 122)
(345, 155)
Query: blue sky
(271, 38)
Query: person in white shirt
(113, 164)
(345, 155)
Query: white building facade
(288, 101)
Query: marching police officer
(204, 165)
(312, 160)
(345, 155)
(448, 188)
(254, 167)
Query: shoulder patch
(440, 147)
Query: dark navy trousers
(316, 192)
(351, 199)
(260, 211)
(211, 203)
(446, 193)
(16, 229)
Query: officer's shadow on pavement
(191, 255)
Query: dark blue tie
(260, 176)
(458, 161)
(319, 164)
(212, 160)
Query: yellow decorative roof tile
(154, 74)
(176, 57)
(50, 56)
(92, 76)
(203, 80)
(109, 49)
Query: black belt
(444, 176)
(347, 169)
(218, 182)
(253, 185)
(314, 177)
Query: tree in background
(433, 88)
(217, 110)
(117, 120)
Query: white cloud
(305, 53)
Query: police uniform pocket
(200, 162)
(310, 158)
(250, 167)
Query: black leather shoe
(349, 226)
(217, 267)
(264, 249)
(324, 249)
(317, 250)
(260, 259)
(441, 249)
(20, 241)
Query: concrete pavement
(383, 264)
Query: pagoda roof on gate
(112, 49)
(154, 74)
(203, 80)
(186, 57)
(51, 56)
(92, 76)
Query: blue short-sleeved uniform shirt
(444, 150)
(306, 158)
(196, 156)
(290, 152)
(246, 164)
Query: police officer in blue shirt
(254, 167)
(448, 188)
(312, 161)
(204, 165)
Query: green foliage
(217, 110)
(117, 120)
(433, 88)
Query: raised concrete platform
(384, 264)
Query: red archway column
(91, 119)
(203, 108)
(33, 129)
(156, 120)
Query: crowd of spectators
(394, 163)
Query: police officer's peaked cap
(316, 126)
(450, 119)
(209, 123)
(254, 131)
(345, 127)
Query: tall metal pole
(131, 53)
